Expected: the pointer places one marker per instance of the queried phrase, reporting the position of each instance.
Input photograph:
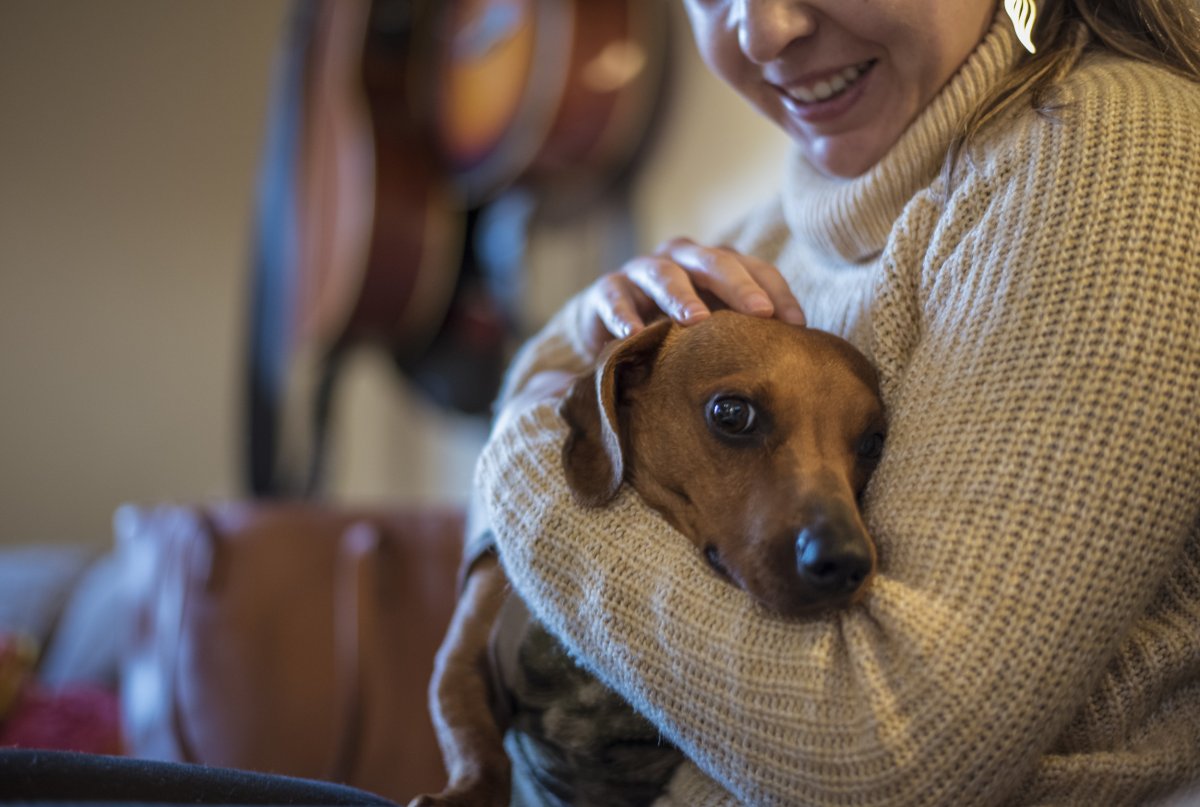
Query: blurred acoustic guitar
(358, 231)
(538, 108)
(547, 93)
(397, 124)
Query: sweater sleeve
(1035, 330)
(561, 345)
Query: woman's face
(843, 78)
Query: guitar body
(359, 231)
(382, 228)
(394, 123)
(546, 92)
(543, 100)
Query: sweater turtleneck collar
(851, 219)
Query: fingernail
(757, 302)
(794, 316)
(694, 311)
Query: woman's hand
(685, 281)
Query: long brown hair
(1161, 32)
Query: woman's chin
(841, 156)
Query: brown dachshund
(753, 438)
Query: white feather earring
(1023, 13)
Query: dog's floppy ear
(592, 454)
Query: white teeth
(824, 90)
(827, 89)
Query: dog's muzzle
(833, 559)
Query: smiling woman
(843, 79)
(1010, 237)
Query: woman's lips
(828, 97)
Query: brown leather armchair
(289, 638)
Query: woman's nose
(767, 27)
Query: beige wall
(129, 137)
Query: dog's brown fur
(773, 508)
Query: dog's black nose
(831, 562)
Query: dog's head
(752, 437)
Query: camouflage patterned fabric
(572, 740)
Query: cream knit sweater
(1034, 634)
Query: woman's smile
(833, 83)
(842, 81)
(827, 97)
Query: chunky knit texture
(1033, 636)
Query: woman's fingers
(722, 273)
(617, 307)
(742, 282)
(677, 279)
(671, 287)
(786, 306)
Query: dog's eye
(870, 447)
(732, 415)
